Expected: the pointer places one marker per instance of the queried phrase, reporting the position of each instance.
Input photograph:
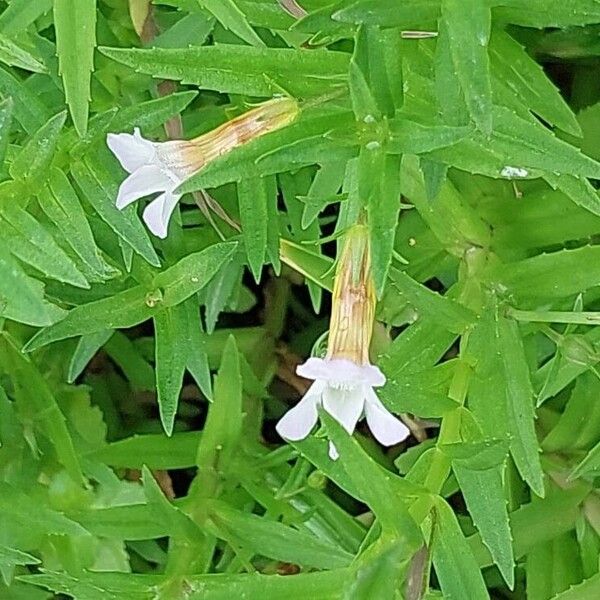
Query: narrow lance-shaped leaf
(99, 186)
(383, 207)
(30, 241)
(21, 296)
(455, 565)
(268, 538)
(171, 350)
(223, 424)
(518, 70)
(484, 496)
(32, 162)
(253, 197)
(13, 54)
(375, 485)
(139, 303)
(75, 24)
(34, 392)
(520, 403)
(61, 205)
(228, 13)
(29, 110)
(468, 23)
(241, 69)
(6, 114)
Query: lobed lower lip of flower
(346, 397)
(164, 166)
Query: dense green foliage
(141, 379)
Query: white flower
(345, 390)
(164, 166)
(153, 167)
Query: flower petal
(297, 423)
(340, 370)
(344, 405)
(146, 180)
(158, 213)
(132, 151)
(387, 429)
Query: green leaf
(417, 349)
(171, 350)
(578, 427)
(516, 143)
(34, 515)
(197, 355)
(423, 393)
(19, 14)
(380, 572)
(157, 451)
(254, 196)
(586, 590)
(382, 200)
(86, 349)
(316, 267)
(241, 69)
(408, 14)
(32, 243)
(100, 189)
(325, 184)
(32, 162)
(6, 114)
(145, 115)
(468, 40)
(29, 110)
(224, 422)
(520, 403)
(262, 536)
(578, 189)
(552, 275)
(220, 291)
(75, 24)
(10, 557)
(22, 297)
(378, 54)
(252, 586)
(376, 486)
(178, 523)
(536, 522)
(547, 13)
(455, 565)
(15, 55)
(129, 359)
(525, 77)
(447, 312)
(484, 496)
(228, 13)
(559, 557)
(61, 205)
(33, 391)
(122, 522)
(139, 303)
(590, 463)
(411, 137)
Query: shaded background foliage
(141, 379)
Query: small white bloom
(164, 166)
(345, 390)
(153, 167)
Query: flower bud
(353, 301)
